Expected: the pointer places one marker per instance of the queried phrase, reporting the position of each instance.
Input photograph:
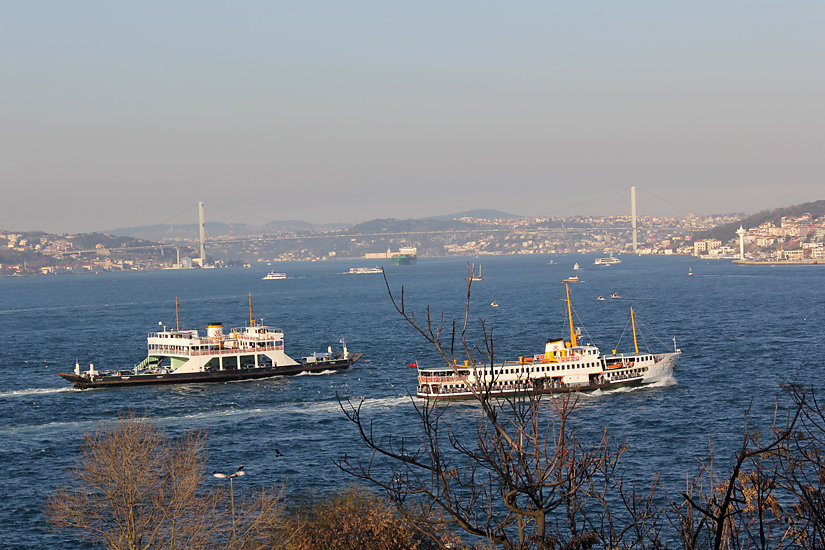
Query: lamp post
(231, 477)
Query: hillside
(728, 231)
(391, 225)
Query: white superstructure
(185, 351)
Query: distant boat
(573, 279)
(690, 272)
(404, 256)
(365, 270)
(272, 275)
(576, 265)
(493, 304)
(607, 261)
(600, 298)
(477, 277)
(615, 295)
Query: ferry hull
(104, 380)
(583, 388)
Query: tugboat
(564, 366)
(183, 356)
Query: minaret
(633, 217)
(741, 232)
(203, 233)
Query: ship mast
(177, 317)
(573, 341)
(633, 322)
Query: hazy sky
(117, 114)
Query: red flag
(414, 365)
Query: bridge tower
(202, 233)
(633, 217)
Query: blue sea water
(743, 331)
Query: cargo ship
(404, 256)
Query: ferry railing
(170, 350)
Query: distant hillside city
(792, 234)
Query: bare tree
(774, 495)
(521, 479)
(136, 488)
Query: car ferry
(563, 366)
(178, 356)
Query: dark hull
(108, 381)
(556, 389)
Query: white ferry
(563, 366)
(365, 270)
(607, 261)
(184, 356)
(272, 275)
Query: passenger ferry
(272, 275)
(184, 356)
(365, 270)
(607, 261)
(563, 366)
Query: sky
(121, 114)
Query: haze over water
(743, 331)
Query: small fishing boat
(600, 298)
(615, 295)
(177, 356)
(493, 304)
(563, 366)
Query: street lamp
(231, 477)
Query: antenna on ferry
(177, 319)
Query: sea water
(743, 331)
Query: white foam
(34, 391)
(323, 372)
